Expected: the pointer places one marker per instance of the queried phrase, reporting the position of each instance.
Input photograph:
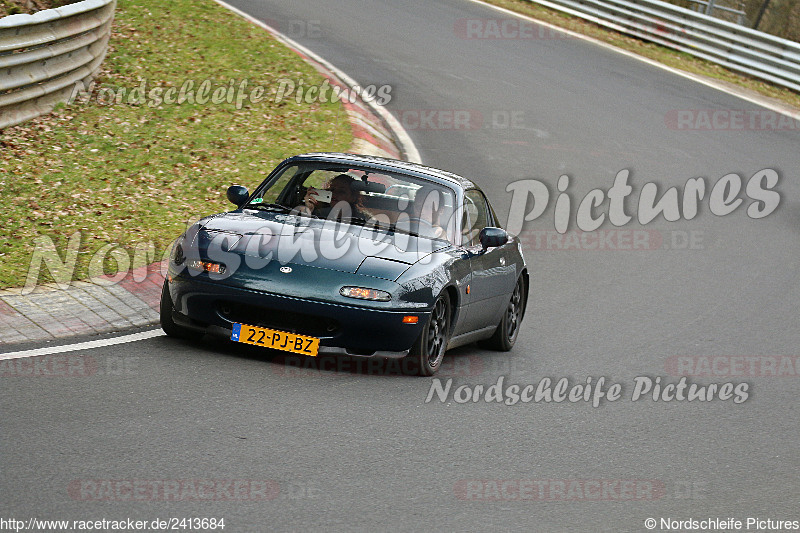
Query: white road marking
(752, 98)
(88, 345)
(407, 145)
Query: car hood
(319, 243)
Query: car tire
(167, 324)
(508, 329)
(426, 355)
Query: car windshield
(362, 196)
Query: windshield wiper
(269, 207)
(403, 230)
(386, 227)
(368, 223)
(357, 221)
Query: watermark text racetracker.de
(559, 490)
(622, 240)
(68, 365)
(461, 119)
(578, 490)
(177, 490)
(718, 366)
(505, 29)
(119, 524)
(731, 120)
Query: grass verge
(667, 56)
(127, 176)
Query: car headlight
(365, 294)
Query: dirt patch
(13, 7)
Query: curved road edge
(102, 305)
(407, 147)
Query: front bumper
(213, 308)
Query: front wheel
(508, 329)
(427, 353)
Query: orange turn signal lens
(207, 266)
(410, 319)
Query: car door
(492, 275)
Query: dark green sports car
(351, 255)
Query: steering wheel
(426, 228)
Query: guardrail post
(761, 11)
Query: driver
(344, 198)
(427, 210)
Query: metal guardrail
(738, 48)
(43, 57)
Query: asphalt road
(360, 449)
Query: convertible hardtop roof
(386, 163)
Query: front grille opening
(280, 319)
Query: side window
(271, 194)
(320, 179)
(476, 217)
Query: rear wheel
(508, 329)
(427, 353)
(167, 324)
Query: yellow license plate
(277, 340)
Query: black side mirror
(237, 194)
(493, 237)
